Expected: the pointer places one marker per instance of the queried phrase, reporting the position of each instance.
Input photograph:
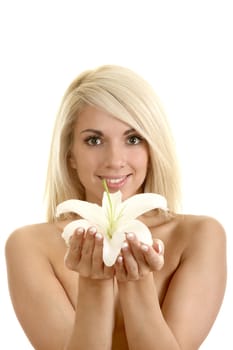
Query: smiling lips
(115, 182)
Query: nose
(115, 157)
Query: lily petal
(112, 247)
(115, 199)
(89, 211)
(141, 231)
(114, 207)
(140, 203)
(72, 226)
(113, 219)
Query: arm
(93, 322)
(192, 301)
(94, 319)
(39, 300)
(43, 306)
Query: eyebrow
(98, 132)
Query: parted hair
(130, 98)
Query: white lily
(113, 219)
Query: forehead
(94, 118)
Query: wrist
(139, 286)
(96, 287)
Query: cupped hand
(138, 259)
(85, 254)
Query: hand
(85, 255)
(137, 259)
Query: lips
(115, 181)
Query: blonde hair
(128, 97)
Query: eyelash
(139, 139)
(89, 140)
(92, 140)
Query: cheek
(79, 157)
(144, 163)
(141, 159)
(83, 172)
(86, 164)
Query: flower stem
(110, 212)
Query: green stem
(110, 219)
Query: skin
(164, 296)
(106, 148)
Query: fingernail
(120, 259)
(125, 245)
(144, 247)
(98, 236)
(130, 236)
(68, 242)
(160, 248)
(80, 230)
(92, 230)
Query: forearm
(94, 319)
(145, 325)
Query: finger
(108, 272)
(120, 272)
(73, 254)
(97, 257)
(88, 246)
(135, 247)
(85, 263)
(153, 259)
(158, 246)
(137, 252)
(130, 263)
(99, 269)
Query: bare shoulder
(34, 238)
(199, 221)
(36, 273)
(198, 230)
(28, 233)
(184, 234)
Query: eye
(93, 140)
(134, 140)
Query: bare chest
(69, 281)
(173, 252)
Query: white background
(184, 49)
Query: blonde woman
(166, 295)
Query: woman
(165, 295)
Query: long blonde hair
(128, 97)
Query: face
(106, 148)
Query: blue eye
(134, 140)
(93, 141)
